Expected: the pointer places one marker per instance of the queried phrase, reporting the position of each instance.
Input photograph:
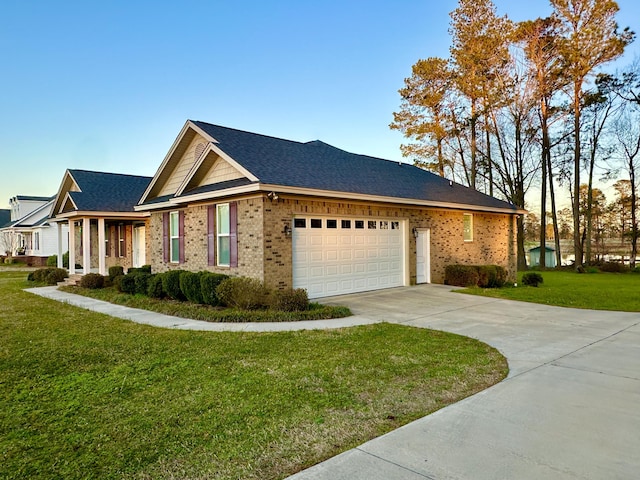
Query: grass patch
(206, 312)
(85, 395)
(597, 291)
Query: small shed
(549, 256)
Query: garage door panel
(358, 255)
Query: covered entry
(338, 255)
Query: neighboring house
(309, 215)
(31, 232)
(5, 217)
(104, 230)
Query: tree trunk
(577, 244)
(634, 222)
(474, 145)
(554, 213)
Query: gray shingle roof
(107, 192)
(5, 217)
(317, 165)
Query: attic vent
(199, 149)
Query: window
(359, 223)
(300, 223)
(372, 224)
(174, 237)
(223, 231)
(121, 243)
(316, 223)
(467, 227)
(395, 225)
(384, 225)
(332, 224)
(346, 223)
(36, 240)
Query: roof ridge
(251, 133)
(107, 173)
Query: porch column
(86, 245)
(60, 253)
(72, 247)
(102, 251)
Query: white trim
(102, 248)
(110, 215)
(86, 245)
(172, 237)
(212, 148)
(464, 235)
(165, 161)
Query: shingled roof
(319, 166)
(107, 192)
(5, 217)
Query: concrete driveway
(569, 409)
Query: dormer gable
(194, 160)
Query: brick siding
(265, 252)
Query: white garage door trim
(339, 255)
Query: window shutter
(124, 240)
(181, 235)
(211, 240)
(165, 237)
(233, 234)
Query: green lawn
(598, 291)
(84, 395)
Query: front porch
(97, 243)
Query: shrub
(142, 269)
(291, 300)
(115, 271)
(52, 261)
(55, 275)
(242, 292)
(171, 284)
(491, 276)
(614, 267)
(92, 281)
(208, 283)
(141, 281)
(48, 275)
(126, 283)
(9, 261)
(461, 275)
(154, 286)
(532, 279)
(190, 286)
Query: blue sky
(107, 86)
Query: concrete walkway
(168, 321)
(569, 409)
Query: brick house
(104, 230)
(309, 215)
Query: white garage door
(333, 256)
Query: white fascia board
(166, 159)
(153, 206)
(333, 194)
(227, 192)
(85, 214)
(379, 199)
(67, 196)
